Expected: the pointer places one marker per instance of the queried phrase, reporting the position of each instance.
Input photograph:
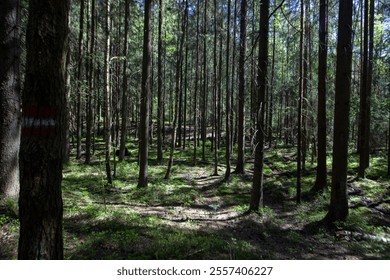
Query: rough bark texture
(145, 97)
(338, 209)
(43, 132)
(9, 98)
(240, 166)
(257, 186)
(320, 183)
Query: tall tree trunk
(177, 89)
(257, 185)
(9, 98)
(228, 93)
(364, 118)
(43, 133)
(272, 88)
(160, 104)
(204, 93)
(215, 89)
(107, 91)
(196, 115)
(79, 82)
(124, 106)
(145, 98)
(240, 166)
(338, 209)
(89, 124)
(300, 105)
(320, 183)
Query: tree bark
(338, 209)
(257, 185)
(240, 166)
(228, 93)
(320, 184)
(364, 100)
(177, 89)
(145, 97)
(9, 98)
(44, 131)
(107, 92)
(160, 104)
(91, 76)
(300, 105)
(79, 77)
(124, 86)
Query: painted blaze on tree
(44, 131)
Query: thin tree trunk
(145, 102)
(42, 146)
(124, 109)
(196, 85)
(89, 125)
(240, 166)
(9, 98)
(338, 209)
(272, 88)
(204, 93)
(300, 105)
(215, 89)
(160, 104)
(79, 76)
(257, 185)
(177, 90)
(228, 93)
(107, 92)
(364, 101)
(320, 184)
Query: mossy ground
(195, 215)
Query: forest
(194, 129)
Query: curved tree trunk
(43, 133)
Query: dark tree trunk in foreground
(320, 183)
(43, 132)
(257, 186)
(240, 166)
(338, 209)
(9, 98)
(145, 97)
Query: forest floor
(198, 216)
